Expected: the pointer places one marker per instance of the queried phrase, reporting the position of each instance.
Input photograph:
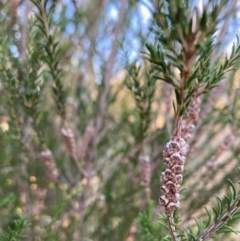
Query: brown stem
(24, 31)
(103, 98)
(44, 16)
(224, 29)
(171, 228)
(102, 106)
(220, 222)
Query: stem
(220, 222)
(189, 50)
(224, 30)
(44, 16)
(171, 228)
(54, 73)
(102, 107)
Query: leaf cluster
(220, 220)
(16, 233)
(142, 86)
(52, 51)
(183, 50)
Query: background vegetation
(88, 99)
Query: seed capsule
(173, 197)
(191, 127)
(166, 161)
(181, 141)
(172, 207)
(184, 150)
(177, 169)
(169, 174)
(178, 187)
(171, 186)
(173, 147)
(164, 189)
(176, 158)
(165, 152)
(163, 200)
(178, 178)
(170, 148)
(164, 178)
(188, 137)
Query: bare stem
(103, 98)
(224, 29)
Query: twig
(171, 228)
(24, 32)
(103, 98)
(224, 29)
(132, 153)
(227, 141)
(89, 25)
(87, 136)
(220, 222)
(146, 173)
(136, 149)
(167, 90)
(102, 106)
(70, 144)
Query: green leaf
(227, 229)
(174, 108)
(232, 189)
(199, 226)
(209, 217)
(228, 202)
(220, 206)
(178, 97)
(204, 19)
(215, 214)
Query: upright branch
(222, 220)
(191, 115)
(227, 141)
(141, 83)
(145, 175)
(52, 59)
(182, 58)
(102, 107)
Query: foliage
(16, 232)
(98, 86)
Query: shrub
(96, 104)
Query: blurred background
(95, 143)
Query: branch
(225, 27)
(220, 222)
(109, 67)
(24, 31)
(171, 228)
